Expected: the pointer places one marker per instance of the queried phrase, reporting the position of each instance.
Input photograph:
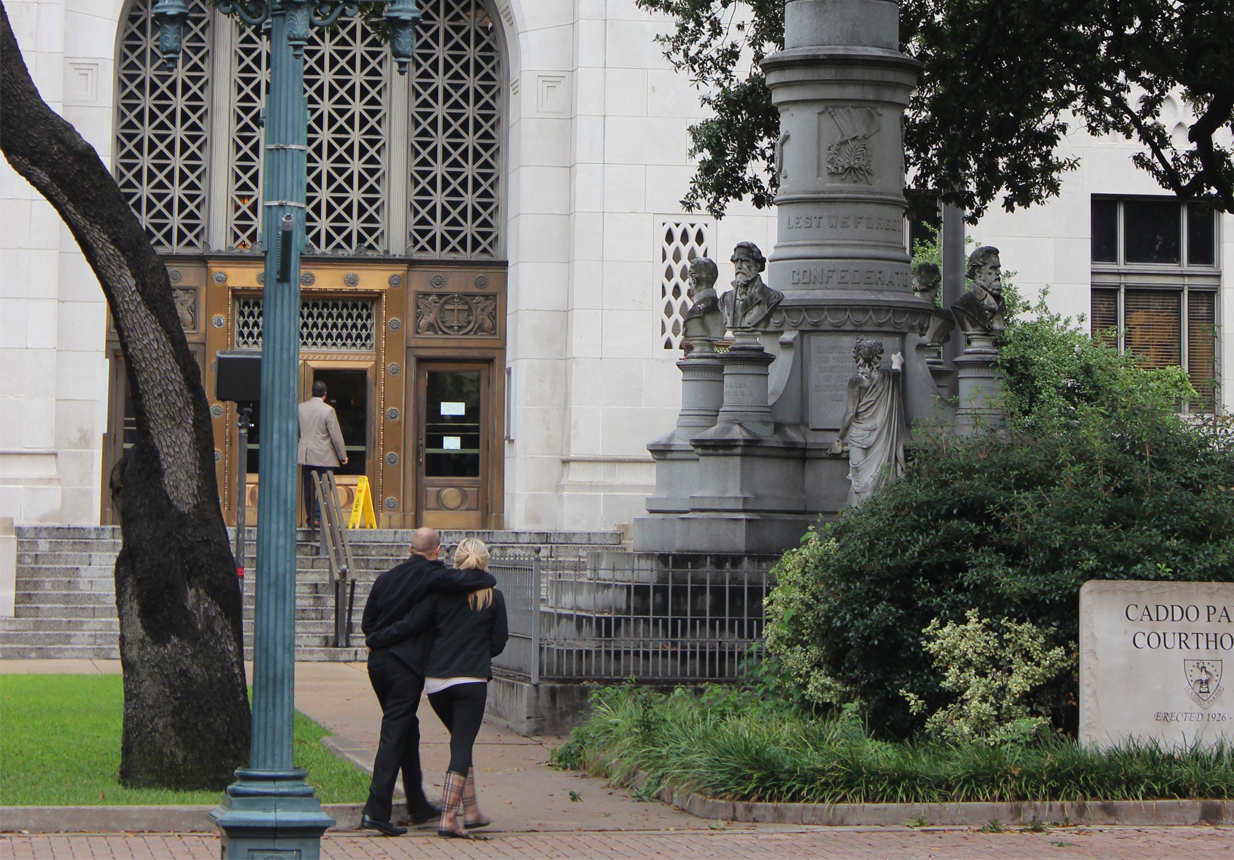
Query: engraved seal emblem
(1203, 681)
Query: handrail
(338, 552)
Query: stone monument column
(841, 85)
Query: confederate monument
(778, 430)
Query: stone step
(64, 585)
(58, 637)
(320, 652)
(66, 559)
(65, 598)
(59, 652)
(18, 626)
(38, 610)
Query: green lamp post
(271, 810)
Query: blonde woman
(469, 631)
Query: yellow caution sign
(362, 515)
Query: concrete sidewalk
(794, 844)
(515, 787)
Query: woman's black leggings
(461, 709)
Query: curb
(1134, 813)
(138, 819)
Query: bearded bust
(750, 301)
(980, 310)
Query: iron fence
(613, 616)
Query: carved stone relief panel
(845, 141)
(186, 307)
(456, 315)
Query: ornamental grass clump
(997, 675)
(729, 745)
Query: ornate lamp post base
(270, 814)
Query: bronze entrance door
(453, 440)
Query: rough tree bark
(186, 712)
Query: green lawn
(60, 746)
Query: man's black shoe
(385, 828)
(423, 815)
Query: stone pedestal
(745, 386)
(980, 389)
(702, 392)
(702, 395)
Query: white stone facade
(596, 164)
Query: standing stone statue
(874, 428)
(980, 310)
(704, 321)
(750, 300)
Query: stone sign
(1156, 662)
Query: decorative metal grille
(162, 128)
(346, 78)
(331, 325)
(454, 156)
(456, 133)
(680, 243)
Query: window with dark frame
(1155, 281)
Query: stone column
(702, 394)
(745, 385)
(702, 390)
(841, 86)
(980, 387)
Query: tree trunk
(186, 712)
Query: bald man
(397, 676)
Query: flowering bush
(995, 676)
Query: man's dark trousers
(312, 504)
(398, 690)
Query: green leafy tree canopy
(1004, 82)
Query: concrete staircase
(65, 605)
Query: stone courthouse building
(495, 276)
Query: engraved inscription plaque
(831, 365)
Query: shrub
(1095, 477)
(997, 677)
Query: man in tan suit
(321, 447)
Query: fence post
(535, 618)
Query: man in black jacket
(397, 675)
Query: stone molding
(847, 318)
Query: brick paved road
(834, 844)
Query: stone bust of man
(980, 310)
(750, 301)
(704, 322)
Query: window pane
(1201, 235)
(1152, 231)
(452, 424)
(924, 217)
(1154, 323)
(1105, 316)
(1200, 345)
(1105, 230)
